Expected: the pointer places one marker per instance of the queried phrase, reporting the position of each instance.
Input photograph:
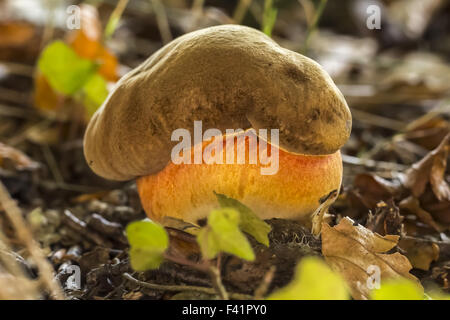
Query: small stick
(241, 10)
(262, 289)
(175, 288)
(369, 163)
(162, 21)
(217, 283)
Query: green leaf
(313, 280)
(249, 221)
(222, 234)
(269, 17)
(148, 242)
(64, 69)
(399, 289)
(95, 91)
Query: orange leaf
(45, 98)
(87, 43)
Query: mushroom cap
(228, 77)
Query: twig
(18, 69)
(184, 261)
(369, 163)
(379, 121)
(51, 161)
(81, 227)
(263, 287)
(162, 21)
(205, 266)
(69, 187)
(442, 107)
(175, 288)
(115, 18)
(241, 10)
(14, 96)
(321, 211)
(19, 138)
(16, 112)
(217, 283)
(24, 234)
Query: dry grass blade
(24, 234)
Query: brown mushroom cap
(228, 77)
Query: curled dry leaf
(11, 158)
(370, 189)
(412, 205)
(360, 256)
(431, 169)
(386, 219)
(420, 253)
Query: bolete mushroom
(228, 77)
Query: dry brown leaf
(358, 254)
(386, 219)
(413, 205)
(15, 34)
(431, 169)
(11, 158)
(373, 189)
(420, 253)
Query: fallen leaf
(359, 255)
(420, 253)
(372, 188)
(15, 33)
(386, 219)
(413, 205)
(18, 41)
(431, 169)
(11, 158)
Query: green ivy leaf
(313, 280)
(222, 234)
(249, 221)
(64, 69)
(399, 289)
(148, 242)
(96, 92)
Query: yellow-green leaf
(313, 280)
(95, 91)
(398, 289)
(222, 234)
(249, 221)
(64, 69)
(148, 242)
